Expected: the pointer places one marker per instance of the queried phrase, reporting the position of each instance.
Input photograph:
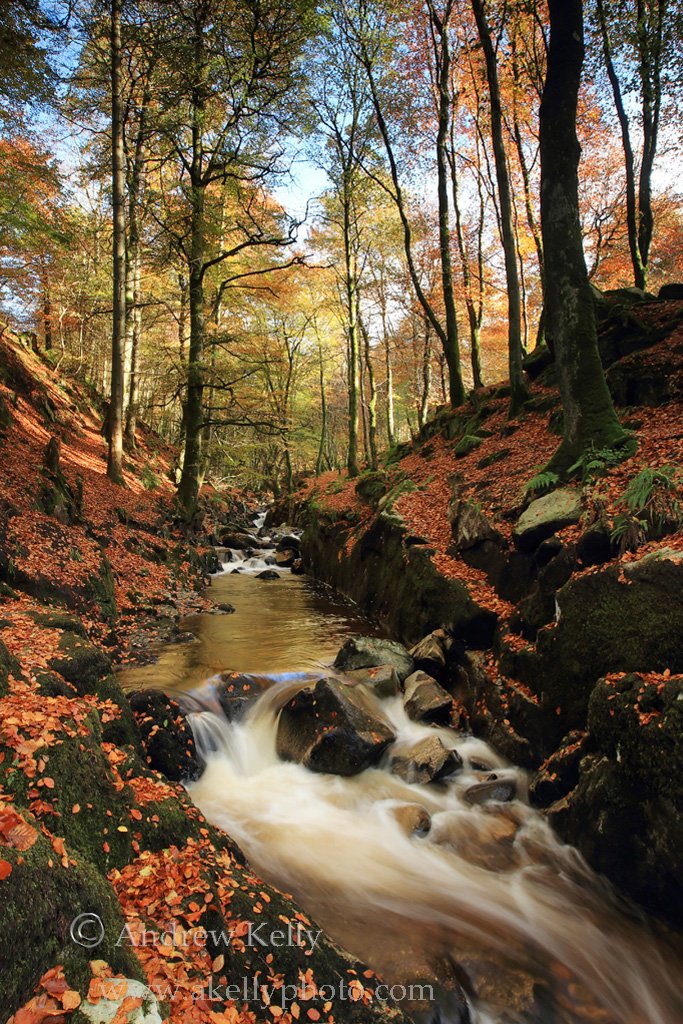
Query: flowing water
(487, 898)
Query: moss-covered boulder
(67, 780)
(250, 933)
(371, 486)
(51, 904)
(626, 812)
(166, 735)
(392, 580)
(88, 669)
(546, 515)
(370, 652)
(624, 618)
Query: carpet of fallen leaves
(50, 564)
(495, 473)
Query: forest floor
(91, 573)
(506, 454)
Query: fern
(653, 501)
(594, 462)
(544, 481)
(628, 533)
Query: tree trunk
(115, 419)
(320, 461)
(134, 378)
(456, 387)
(442, 54)
(47, 305)
(426, 389)
(589, 416)
(372, 397)
(351, 288)
(519, 392)
(188, 489)
(639, 275)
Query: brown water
(489, 895)
(291, 624)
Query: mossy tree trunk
(589, 416)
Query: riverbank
(560, 600)
(98, 849)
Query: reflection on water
(284, 625)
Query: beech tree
(226, 78)
(589, 416)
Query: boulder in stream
(413, 818)
(289, 541)
(493, 789)
(371, 652)
(166, 735)
(426, 761)
(382, 680)
(426, 700)
(431, 653)
(329, 727)
(237, 691)
(238, 540)
(286, 557)
(268, 574)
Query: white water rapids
(488, 898)
(489, 888)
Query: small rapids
(486, 899)
(489, 896)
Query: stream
(488, 898)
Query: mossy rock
(623, 618)
(82, 777)
(8, 666)
(60, 620)
(371, 486)
(626, 812)
(396, 453)
(467, 444)
(40, 900)
(52, 685)
(490, 460)
(166, 735)
(387, 502)
(80, 662)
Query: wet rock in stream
(166, 736)
(286, 557)
(493, 789)
(237, 691)
(425, 700)
(267, 574)
(413, 818)
(328, 727)
(382, 680)
(371, 652)
(426, 761)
